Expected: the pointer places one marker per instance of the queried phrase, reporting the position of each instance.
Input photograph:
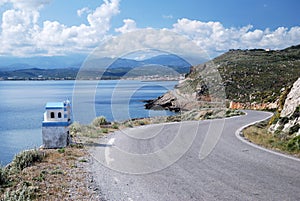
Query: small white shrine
(55, 127)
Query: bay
(22, 106)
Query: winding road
(142, 164)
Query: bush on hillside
(294, 144)
(3, 176)
(27, 158)
(99, 121)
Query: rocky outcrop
(164, 102)
(253, 106)
(292, 101)
(202, 88)
(174, 101)
(288, 122)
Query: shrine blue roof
(55, 105)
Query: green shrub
(83, 160)
(128, 124)
(61, 150)
(141, 123)
(294, 144)
(115, 126)
(296, 113)
(283, 120)
(104, 130)
(294, 129)
(77, 145)
(41, 177)
(174, 118)
(228, 113)
(27, 158)
(278, 133)
(3, 176)
(23, 194)
(99, 121)
(75, 128)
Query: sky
(62, 27)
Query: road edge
(238, 133)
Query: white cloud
(214, 37)
(18, 27)
(129, 25)
(143, 40)
(21, 35)
(80, 12)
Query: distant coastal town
(144, 78)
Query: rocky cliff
(292, 101)
(287, 124)
(202, 88)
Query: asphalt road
(192, 161)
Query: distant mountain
(125, 63)
(45, 62)
(107, 68)
(39, 74)
(75, 61)
(168, 60)
(115, 68)
(17, 66)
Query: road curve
(234, 170)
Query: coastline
(27, 99)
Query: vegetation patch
(3, 176)
(27, 158)
(46, 175)
(275, 118)
(260, 135)
(99, 121)
(61, 150)
(89, 133)
(247, 78)
(293, 145)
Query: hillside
(39, 74)
(258, 75)
(249, 76)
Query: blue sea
(22, 106)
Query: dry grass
(59, 176)
(259, 135)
